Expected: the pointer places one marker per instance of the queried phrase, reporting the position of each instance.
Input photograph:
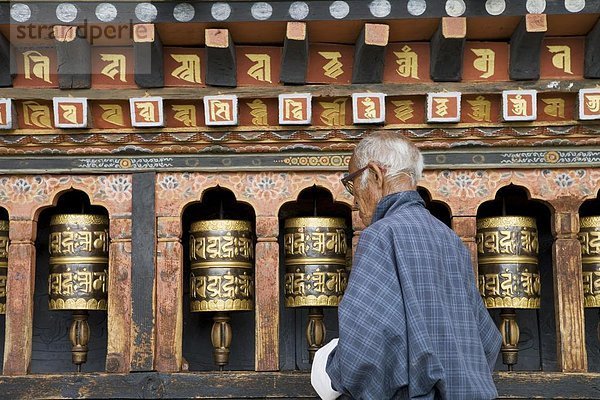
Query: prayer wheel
(315, 270)
(222, 276)
(507, 250)
(589, 236)
(3, 264)
(78, 273)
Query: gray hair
(392, 151)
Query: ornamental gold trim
(221, 264)
(221, 225)
(222, 305)
(89, 219)
(316, 261)
(591, 301)
(78, 260)
(499, 259)
(512, 302)
(502, 222)
(3, 225)
(2, 309)
(3, 264)
(315, 222)
(590, 260)
(311, 300)
(590, 222)
(77, 304)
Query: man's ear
(377, 172)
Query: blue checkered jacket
(412, 324)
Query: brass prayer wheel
(221, 276)
(3, 264)
(589, 237)
(78, 275)
(315, 261)
(316, 251)
(222, 266)
(78, 262)
(507, 249)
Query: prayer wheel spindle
(315, 270)
(3, 264)
(589, 237)
(507, 249)
(221, 276)
(78, 273)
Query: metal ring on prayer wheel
(507, 249)
(589, 236)
(222, 266)
(78, 262)
(3, 264)
(315, 261)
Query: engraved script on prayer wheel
(222, 266)
(315, 261)
(3, 264)
(589, 236)
(507, 249)
(78, 262)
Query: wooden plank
(181, 93)
(568, 290)
(220, 58)
(526, 46)
(369, 53)
(267, 294)
(592, 53)
(8, 66)
(73, 58)
(119, 297)
(169, 295)
(446, 49)
(294, 60)
(148, 69)
(247, 385)
(143, 254)
(19, 299)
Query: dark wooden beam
(294, 60)
(73, 58)
(148, 47)
(220, 58)
(592, 53)
(525, 47)
(369, 53)
(252, 385)
(8, 66)
(447, 47)
(143, 252)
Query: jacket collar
(393, 202)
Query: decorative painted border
(434, 160)
(177, 11)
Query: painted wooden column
(20, 285)
(119, 296)
(143, 272)
(568, 287)
(267, 294)
(466, 229)
(357, 228)
(169, 295)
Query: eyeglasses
(348, 180)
